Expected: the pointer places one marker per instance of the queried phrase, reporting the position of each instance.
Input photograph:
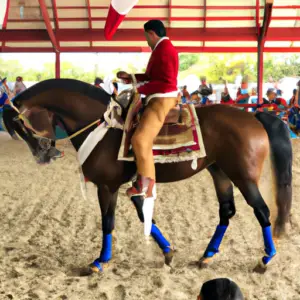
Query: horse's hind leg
(162, 242)
(224, 190)
(251, 193)
(107, 201)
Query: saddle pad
(175, 142)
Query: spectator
(271, 96)
(243, 94)
(280, 101)
(98, 81)
(4, 92)
(293, 101)
(19, 86)
(185, 95)
(220, 289)
(225, 96)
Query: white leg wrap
(148, 209)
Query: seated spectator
(243, 94)
(19, 86)
(280, 101)
(225, 96)
(205, 90)
(185, 95)
(293, 101)
(220, 289)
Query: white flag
(3, 12)
(117, 11)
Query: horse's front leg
(158, 237)
(107, 200)
(224, 190)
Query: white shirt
(163, 38)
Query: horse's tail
(282, 158)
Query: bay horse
(237, 143)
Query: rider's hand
(124, 76)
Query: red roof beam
(54, 6)
(186, 19)
(267, 20)
(183, 49)
(4, 24)
(210, 7)
(90, 16)
(45, 15)
(176, 34)
(204, 15)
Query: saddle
(178, 134)
(174, 124)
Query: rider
(161, 76)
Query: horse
(237, 143)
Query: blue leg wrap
(160, 239)
(269, 245)
(215, 242)
(106, 252)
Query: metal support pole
(57, 65)
(260, 71)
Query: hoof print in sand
(119, 293)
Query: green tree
(187, 60)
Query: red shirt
(162, 70)
(281, 101)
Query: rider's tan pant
(150, 125)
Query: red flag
(117, 11)
(3, 13)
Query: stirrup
(145, 188)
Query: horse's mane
(71, 85)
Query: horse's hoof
(267, 260)
(95, 269)
(98, 267)
(169, 257)
(205, 262)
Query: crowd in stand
(6, 94)
(273, 99)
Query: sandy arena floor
(48, 231)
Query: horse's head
(38, 110)
(42, 148)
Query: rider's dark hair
(157, 26)
(221, 289)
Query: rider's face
(150, 39)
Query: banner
(3, 12)
(117, 11)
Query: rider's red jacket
(162, 70)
